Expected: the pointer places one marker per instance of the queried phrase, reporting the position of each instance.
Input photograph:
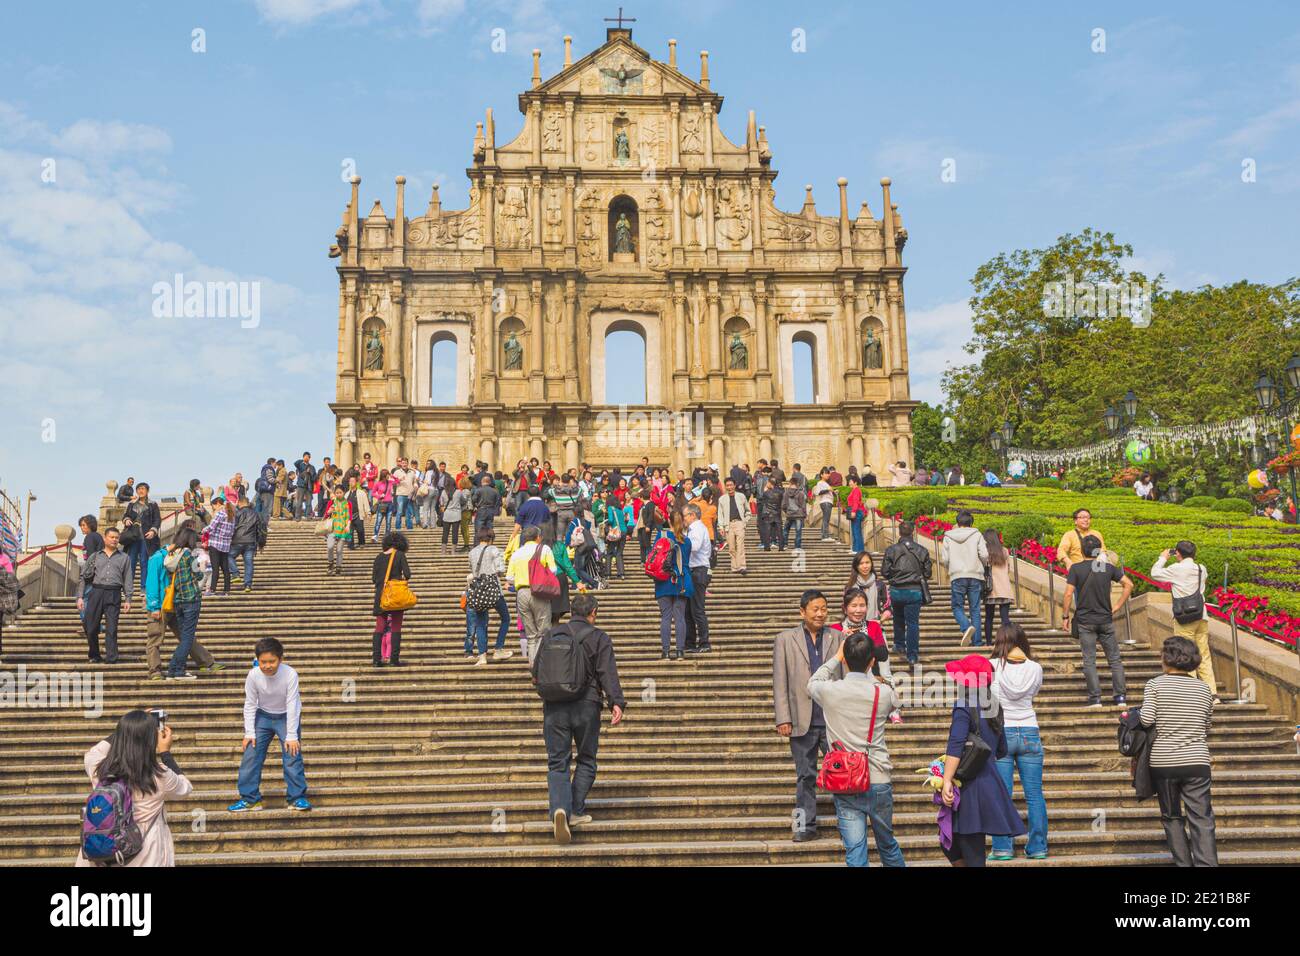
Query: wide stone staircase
(443, 763)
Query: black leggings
(220, 565)
(967, 849)
(988, 619)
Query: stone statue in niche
(739, 352)
(623, 234)
(552, 133)
(872, 355)
(374, 352)
(622, 149)
(514, 354)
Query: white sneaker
(966, 636)
(560, 822)
(580, 819)
(480, 661)
(502, 655)
(1096, 706)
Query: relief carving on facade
(590, 214)
(733, 216)
(553, 132)
(692, 132)
(553, 217)
(658, 231)
(593, 137)
(512, 229)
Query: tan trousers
(536, 615)
(736, 544)
(153, 636)
(1199, 634)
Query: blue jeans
(855, 525)
(386, 518)
(266, 726)
(907, 622)
(1025, 754)
(247, 554)
(187, 622)
(966, 593)
(478, 623)
(798, 532)
(853, 810)
(138, 555)
(403, 510)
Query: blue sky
(227, 164)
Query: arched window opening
(625, 379)
(443, 370)
(803, 356)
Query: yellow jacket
(517, 569)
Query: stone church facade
(621, 206)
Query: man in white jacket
(1188, 577)
(965, 555)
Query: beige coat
(148, 811)
(791, 672)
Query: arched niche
(876, 327)
(432, 334)
(444, 365)
(374, 347)
(813, 336)
(621, 206)
(512, 327)
(737, 327)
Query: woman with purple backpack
(132, 775)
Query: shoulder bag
(484, 590)
(1190, 609)
(848, 771)
(976, 752)
(396, 594)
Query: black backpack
(976, 752)
(563, 667)
(1132, 736)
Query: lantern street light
(1274, 401)
(1111, 418)
(1008, 432)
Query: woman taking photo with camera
(139, 755)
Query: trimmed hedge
(922, 503)
(1236, 506)
(1200, 501)
(1114, 492)
(1047, 481)
(1016, 531)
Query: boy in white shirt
(272, 708)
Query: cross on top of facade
(620, 19)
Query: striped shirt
(1179, 705)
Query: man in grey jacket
(856, 709)
(796, 655)
(108, 573)
(965, 555)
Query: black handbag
(484, 590)
(131, 533)
(975, 753)
(1190, 609)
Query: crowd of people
(834, 688)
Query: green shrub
(1047, 481)
(922, 503)
(1200, 501)
(1016, 531)
(1114, 492)
(1236, 506)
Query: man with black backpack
(573, 668)
(906, 568)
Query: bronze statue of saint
(739, 353)
(623, 234)
(872, 355)
(621, 148)
(514, 354)
(374, 352)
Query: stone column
(537, 448)
(764, 369)
(572, 453)
(679, 257)
(568, 336)
(764, 447)
(584, 352)
(719, 453)
(756, 211)
(535, 121)
(487, 452)
(348, 386)
(536, 382)
(708, 134)
(892, 297)
(489, 220)
(710, 189)
(396, 345)
(486, 357)
(568, 132)
(856, 451)
(715, 333)
(535, 193)
(394, 449)
(675, 122)
(852, 346)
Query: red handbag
(847, 771)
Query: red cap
(973, 670)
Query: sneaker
(502, 655)
(182, 676)
(248, 590)
(480, 661)
(995, 855)
(211, 668)
(560, 823)
(1120, 702)
(706, 649)
(1096, 706)
(470, 655)
(155, 675)
(966, 635)
(895, 718)
(241, 805)
(300, 804)
(1036, 856)
(580, 819)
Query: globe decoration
(1137, 452)
(1295, 438)
(1017, 468)
(1257, 479)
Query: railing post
(1051, 597)
(67, 561)
(1236, 656)
(40, 578)
(1015, 568)
(1128, 626)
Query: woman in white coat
(140, 753)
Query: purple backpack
(109, 834)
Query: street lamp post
(1274, 401)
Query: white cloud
(92, 139)
(297, 12)
(936, 339)
(434, 13)
(920, 162)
